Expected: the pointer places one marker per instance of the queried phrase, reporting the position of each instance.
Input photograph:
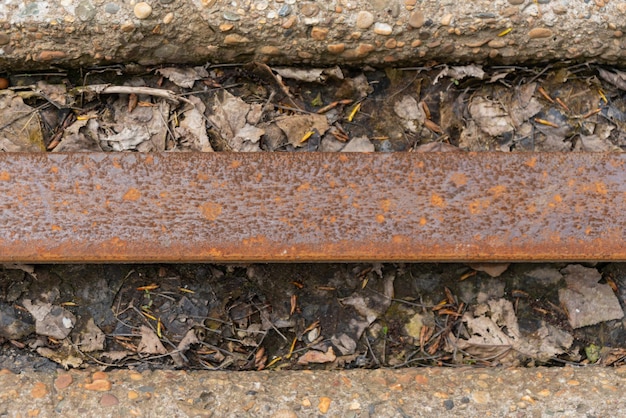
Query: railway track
(271, 207)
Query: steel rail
(285, 207)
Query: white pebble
(142, 10)
(382, 29)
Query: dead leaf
(50, 320)
(192, 129)
(80, 136)
(492, 269)
(460, 72)
(359, 144)
(65, 356)
(617, 78)
(127, 139)
(230, 117)
(188, 340)
(20, 125)
(183, 77)
(150, 342)
(309, 75)
(315, 356)
(91, 338)
(295, 127)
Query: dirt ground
(310, 316)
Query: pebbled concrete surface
(44, 33)
(442, 392)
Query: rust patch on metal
(97, 207)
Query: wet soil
(295, 316)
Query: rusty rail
(312, 207)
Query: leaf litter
(252, 317)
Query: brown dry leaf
(295, 127)
(150, 342)
(315, 356)
(359, 144)
(64, 356)
(82, 135)
(309, 75)
(235, 120)
(495, 334)
(183, 77)
(192, 129)
(184, 344)
(50, 320)
(20, 125)
(492, 269)
(91, 338)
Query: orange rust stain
(571, 182)
(116, 163)
(332, 184)
(531, 208)
(164, 195)
(163, 228)
(65, 203)
(202, 177)
(497, 190)
(257, 240)
(56, 228)
(474, 207)
(53, 186)
(4, 176)
(380, 218)
(132, 194)
(531, 163)
(333, 219)
(343, 158)
(303, 187)
(278, 199)
(398, 239)
(149, 159)
(423, 221)
(557, 198)
(98, 187)
(601, 188)
(420, 164)
(211, 210)
(235, 164)
(258, 177)
(54, 169)
(437, 200)
(459, 179)
(588, 230)
(355, 205)
(385, 205)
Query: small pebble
(364, 20)
(39, 390)
(324, 404)
(284, 11)
(99, 385)
(536, 33)
(4, 83)
(63, 381)
(109, 400)
(382, 29)
(132, 395)
(416, 20)
(142, 10)
(233, 17)
(168, 18)
(448, 404)
(309, 9)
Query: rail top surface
(286, 207)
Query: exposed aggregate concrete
(430, 392)
(69, 33)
